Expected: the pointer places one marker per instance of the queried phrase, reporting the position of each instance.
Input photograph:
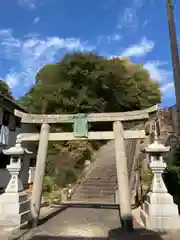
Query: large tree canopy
(86, 82)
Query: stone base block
(14, 209)
(163, 198)
(160, 213)
(160, 223)
(154, 209)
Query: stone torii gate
(80, 124)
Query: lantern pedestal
(14, 202)
(159, 211)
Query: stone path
(89, 223)
(84, 222)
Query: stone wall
(167, 122)
(174, 119)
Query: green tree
(86, 82)
(172, 174)
(4, 89)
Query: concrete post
(39, 173)
(122, 178)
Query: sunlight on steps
(100, 182)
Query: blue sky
(36, 32)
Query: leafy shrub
(172, 180)
(65, 177)
(48, 185)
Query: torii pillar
(122, 178)
(39, 174)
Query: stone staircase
(100, 182)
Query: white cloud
(129, 17)
(145, 23)
(138, 50)
(114, 37)
(168, 88)
(108, 39)
(12, 78)
(36, 20)
(28, 4)
(158, 71)
(28, 55)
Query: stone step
(24, 206)
(91, 194)
(99, 186)
(94, 199)
(108, 179)
(97, 189)
(100, 192)
(93, 181)
(101, 180)
(99, 174)
(110, 165)
(94, 195)
(25, 216)
(93, 187)
(80, 197)
(13, 219)
(95, 173)
(112, 172)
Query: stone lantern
(159, 211)
(14, 202)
